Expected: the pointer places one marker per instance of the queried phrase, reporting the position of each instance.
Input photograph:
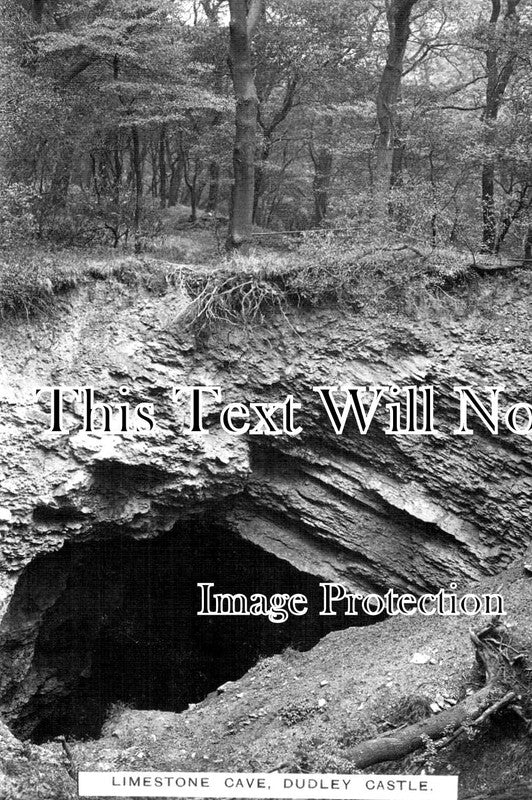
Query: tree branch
(463, 108)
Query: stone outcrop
(374, 511)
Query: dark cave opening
(125, 627)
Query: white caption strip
(295, 786)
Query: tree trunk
(212, 10)
(176, 174)
(260, 170)
(241, 27)
(36, 11)
(154, 185)
(162, 167)
(396, 173)
(60, 184)
(137, 173)
(117, 160)
(192, 183)
(398, 14)
(268, 129)
(528, 244)
(214, 186)
(322, 160)
(193, 203)
(489, 218)
(61, 176)
(117, 170)
(497, 80)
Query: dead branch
(492, 645)
(70, 759)
(397, 744)
(504, 702)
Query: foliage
(17, 217)
(114, 112)
(297, 713)
(87, 220)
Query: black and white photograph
(266, 399)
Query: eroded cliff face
(373, 512)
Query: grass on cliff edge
(243, 289)
(30, 281)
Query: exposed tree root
(506, 679)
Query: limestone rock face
(372, 511)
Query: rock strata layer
(374, 511)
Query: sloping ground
(303, 711)
(272, 717)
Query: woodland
(401, 119)
(229, 159)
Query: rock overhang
(370, 511)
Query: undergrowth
(369, 280)
(361, 278)
(29, 281)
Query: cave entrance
(125, 627)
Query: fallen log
(492, 645)
(498, 266)
(397, 744)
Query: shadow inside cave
(125, 627)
